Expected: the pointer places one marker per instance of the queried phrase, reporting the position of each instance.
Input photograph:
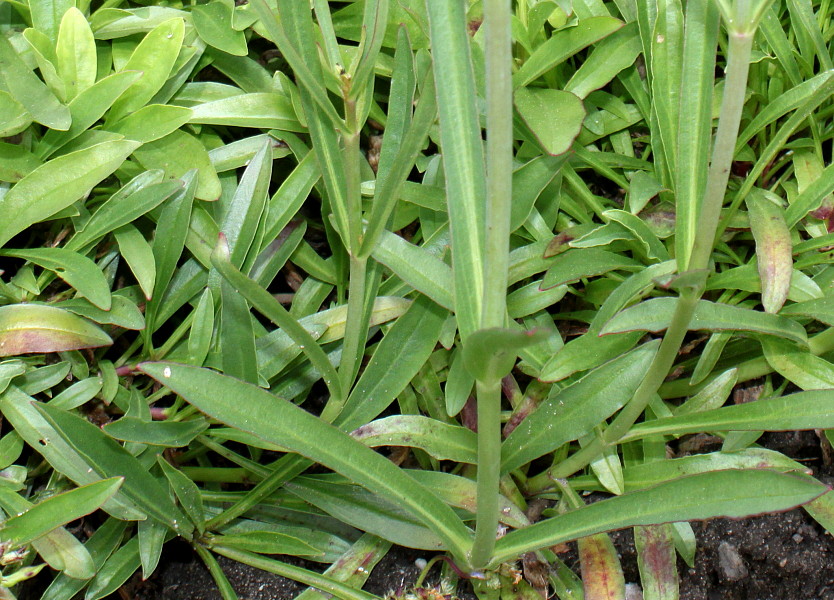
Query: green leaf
(202, 328)
(243, 214)
(579, 263)
(490, 354)
(58, 548)
(176, 154)
(27, 328)
(610, 56)
(562, 45)
(798, 366)
(418, 267)
(152, 122)
(440, 440)
(25, 87)
(554, 116)
(155, 56)
(76, 53)
(732, 494)
(18, 408)
(357, 507)
(172, 434)
(151, 535)
(820, 309)
(15, 161)
(213, 22)
(656, 314)
(77, 270)
(267, 542)
(186, 491)
(116, 570)
(14, 117)
(237, 336)
(418, 329)
(46, 16)
(266, 110)
(773, 250)
(463, 156)
(58, 510)
(57, 184)
(586, 352)
(256, 411)
(105, 456)
(87, 108)
(138, 255)
(574, 411)
(123, 312)
(99, 546)
(802, 410)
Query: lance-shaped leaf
(256, 411)
(441, 440)
(656, 560)
(157, 433)
(798, 366)
(77, 270)
(58, 183)
(732, 494)
(574, 411)
(803, 410)
(267, 542)
(27, 328)
(656, 314)
(25, 87)
(58, 510)
(773, 250)
(107, 457)
(155, 57)
(602, 574)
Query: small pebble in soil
(731, 563)
(633, 591)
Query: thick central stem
(499, 164)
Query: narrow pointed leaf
(803, 410)
(106, 457)
(76, 52)
(732, 494)
(55, 185)
(656, 314)
(574, 411)
(58, 510)
(77, 270)
(256, 411)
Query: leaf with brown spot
(602, 574)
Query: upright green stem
(738, 60)
(355, 331)
(499, 162)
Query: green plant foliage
(248, 248)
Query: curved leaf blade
(29, 328)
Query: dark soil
(784, 556)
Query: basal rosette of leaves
(525, 247)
